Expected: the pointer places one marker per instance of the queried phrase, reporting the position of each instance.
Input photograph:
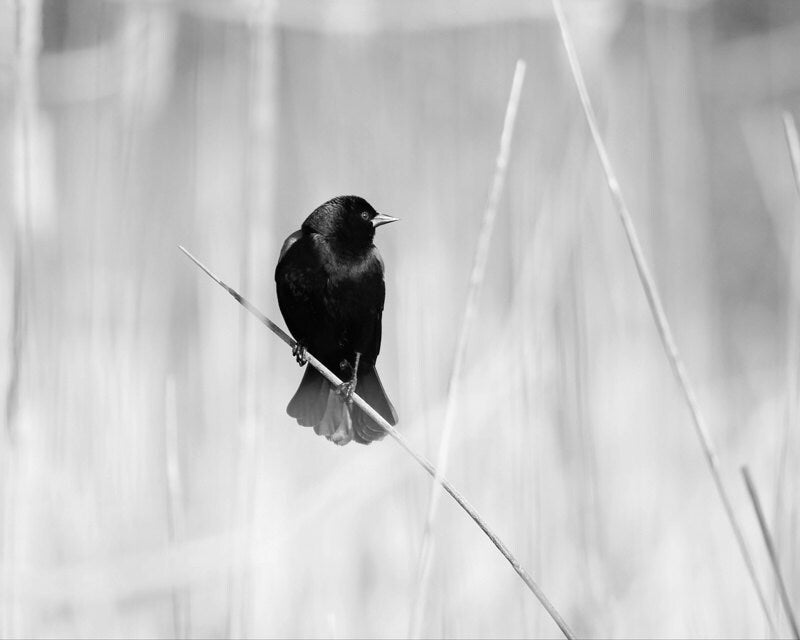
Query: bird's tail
(307, 406)
(369, 387)
(317, 404)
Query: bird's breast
(355, 268)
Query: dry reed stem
(655, 304)
(27, 19)
(421, 460)
(793, 141)
(259, 192)
(17, 329)
(470, 307)
(793, 329)
(773, 556)
(792, 313)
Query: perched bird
(330, 287)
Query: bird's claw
(300, 354)
(346, 390)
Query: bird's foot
(300, 354)
(347, 389)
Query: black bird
(331, 291)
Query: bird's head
(350, 220)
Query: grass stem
(793, 141)
(773, 556)
(470, 308)
(655, 304)
(421, 460)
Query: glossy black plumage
(331, 291)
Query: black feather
(308, 403)
(370, 388)
(331, 292)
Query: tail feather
(337, 423)
(369, 387)
(307, 406)
(316, 404)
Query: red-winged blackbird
(331, 291)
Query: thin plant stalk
(259, 192)
(453, 390)
(28, 20)
(793, 141)
(27, 44)
(792, 311)
(655, 304)
(793, 326)
(395, 434)
(773, 556)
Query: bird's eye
(365, 215)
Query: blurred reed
(148, 130)
(784, 484)
(773, 556)
(258, 195)
(453, 387)
(27, 41)
(176, 518)
(656, 306)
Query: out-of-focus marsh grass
(654, 301)
(476, 278)
(572, 437)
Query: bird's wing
(373, 329)
(377, 333)
(300, 285)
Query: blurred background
(152, 485)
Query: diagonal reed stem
(790, 422)
(655, 304)
(425, 558)
(773, 556)
(793, 141)
(395, 434)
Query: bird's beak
(382, 218)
